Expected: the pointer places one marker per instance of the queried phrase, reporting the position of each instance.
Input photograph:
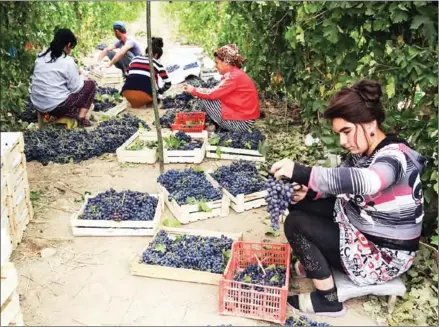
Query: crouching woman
(57, 87)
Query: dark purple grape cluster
(271, 275)
(172, 68)
(101, 46)
(103, 104)
(241, 140)
(120, 206)
(279, 197)
(64, 146)
(29, 113)
(241, 177)
(189, 251)
(210, 83)
(186, 185)
(186, 142)
(178, 101)
(304, 321)
(106, 90)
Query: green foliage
(27, 27)
(308, 51)
(419, 305)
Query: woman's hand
(299, 192)
(284, 167)
(188, 88)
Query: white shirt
(53, 82)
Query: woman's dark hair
(358, 104)
(157, 45)
(63, 37)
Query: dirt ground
(87, 281)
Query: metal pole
(153, 87)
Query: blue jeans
(124, 62)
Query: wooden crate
(242, 202)
(187, 156)
(112, 112)
(84, 227)
(188, 213)
(145, 155)
(181, 274)
(233, 154)
(106, 76)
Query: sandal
(84, 122)
(306, 307)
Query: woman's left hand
(284, 167)
(188, 88)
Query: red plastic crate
(182, 119)
(243, 299)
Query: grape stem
(260, 265)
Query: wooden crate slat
(84, 227)
(9, 281)
(112, 112)
(17, 321)
(179, 274)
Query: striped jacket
(139, 76)
(382, 193)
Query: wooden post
(153, 87)
(40, 120)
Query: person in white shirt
(57, 87)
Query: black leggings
(314, 236)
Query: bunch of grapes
(103, 104)
(188, 251)
(241, 177)
(241, 140)
(64, 146)
(303, 321)
(101, 46)
(120, 206)
(178, 101)
(185, 142)
(29, 113)
(205, 84)
(279, 197)
(186, 185)
(272, 275)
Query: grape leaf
(160, 247)
(247, 279)
(170, 222)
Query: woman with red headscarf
(234, 103)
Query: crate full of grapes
(242, 184)
(139, 148)
(112, 213)
(187, 255)
(250, 145)
(180, 147)
(190, 196)
(255, 283)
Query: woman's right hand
(188, 88)
(299, 192)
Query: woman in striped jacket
(363, 218)
(137, 88)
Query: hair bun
(158, 42)
(369, 91)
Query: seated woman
(234, 103)
(364, 218)
(137, 88)
(57, 87)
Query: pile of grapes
(279, 197)
(101, 46)
(120, 206)
(271, 275)
(29, 113)
(303, 321)
(241, 177)
(187, 251)
(241, 140)
(186, 186)
(106, 98)
(182, 141)
(179, 101)
(64, 146)
(205, 84)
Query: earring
(372, 134)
